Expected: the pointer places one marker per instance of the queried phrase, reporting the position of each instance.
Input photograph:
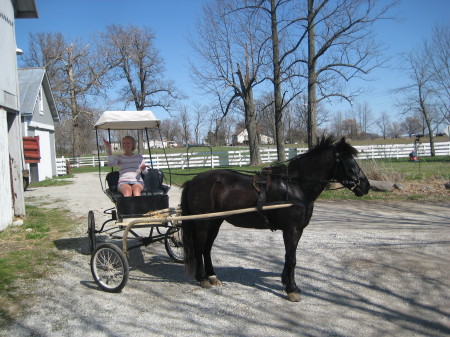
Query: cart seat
(153, 184)
(112, 180)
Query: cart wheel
(174, 244)
(91, 232)
(109, 267)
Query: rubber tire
(110, 260)
(174, 244)
(91, 232)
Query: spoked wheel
(174, 244)
(109, 267)
(91, 232)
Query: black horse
(299, 182)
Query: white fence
(268, 155)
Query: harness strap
(260, 183)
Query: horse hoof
(294, 297)
(213, 280)
(205, 284)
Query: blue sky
(172, 20)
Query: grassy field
(27, 253)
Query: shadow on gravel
(78, 245)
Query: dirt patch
(432, 189)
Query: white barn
(11, 151)
(241, 137)
(39, 114)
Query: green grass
(403, 169)
(55, 181)
(28, 252)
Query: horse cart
(137, 220)
(280, 197)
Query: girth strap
(261, 184)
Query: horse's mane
(326, 142)
(323, 143)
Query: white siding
(45, 165)
(6, 207)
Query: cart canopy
(127, 120)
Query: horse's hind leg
(213, 229)
(205, 235)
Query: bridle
(347, 163)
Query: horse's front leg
(213, 230)
(291, 238)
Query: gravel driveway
(365, 269)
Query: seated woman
(131, 167)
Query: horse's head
(347, 170)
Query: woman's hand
(142, 167)
(108, 146)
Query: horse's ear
(341, 143)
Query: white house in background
(241, 137)
(39, 114)
(11, 151)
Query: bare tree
(341, 47)
(171, 130)
(75, 70)
(227, 63)
(350, 128)
(200, 115)
(183, 118)
(140, 67)
(419, 94)
(412, 125)
(45, 50)
(438, 50)
(266, 115)
(363, 115)
(395, 129)
(383, 123)
(284, 36)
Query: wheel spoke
(109, 268)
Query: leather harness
(261, 183)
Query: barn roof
(30, 80)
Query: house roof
(239, 131)
(30, 80)
(25, 9)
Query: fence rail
(268, 155)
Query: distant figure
(131, 167)
(413, 156)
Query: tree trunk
(426, 117)
(279, 129)
(73, 103)
(430, 134)
(312, 78)
(250, 125)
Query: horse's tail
(188, 233)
